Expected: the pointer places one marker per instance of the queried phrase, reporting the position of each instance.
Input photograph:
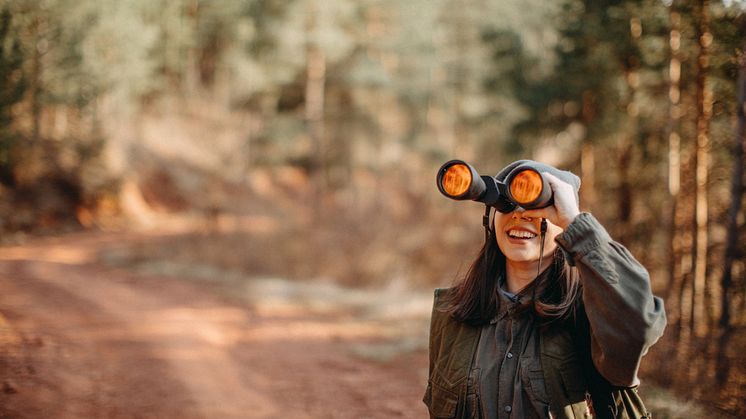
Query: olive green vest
(566, 366)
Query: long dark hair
(474, 300)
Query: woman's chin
(522, 255)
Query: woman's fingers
(565, 203)
(565, 207)
(559, 186)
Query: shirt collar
(507, 301)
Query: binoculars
(524, 186)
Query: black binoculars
(524, 186)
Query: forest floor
(83, 338)
(80, 339)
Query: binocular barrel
(524, 186)
(458, 180)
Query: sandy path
(79, 339)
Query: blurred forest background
(300, 138)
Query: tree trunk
(39, 46)
(624, 189)
(627, 139)
(314, 106)
(674, 158)
(685, 219)
(587, 176)
(737, 188)
(731, 244)
(587, 156)
(704, 111)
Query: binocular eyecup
(523, 187)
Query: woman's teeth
(521, 234)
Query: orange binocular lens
(526, 187)
(456, 180)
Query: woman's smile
(520, 235)
(519, 239)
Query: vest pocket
(440, 402)
(532, 377)
(573, 381)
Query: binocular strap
(541, 256)
(486, 222)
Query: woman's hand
(565, 207)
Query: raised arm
(625, 318)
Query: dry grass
(665, 405)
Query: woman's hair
(474, 300)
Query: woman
(506, 343)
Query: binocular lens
(526, 187)
(456, 180)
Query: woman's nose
(519, 213)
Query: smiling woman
(551, 319)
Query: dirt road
(80, 339)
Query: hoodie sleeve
(625, 317)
